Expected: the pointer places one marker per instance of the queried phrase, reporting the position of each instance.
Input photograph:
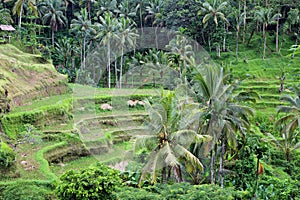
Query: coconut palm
(84, 28)
(140, 6)
(293, 18)
(18, 8)
(108, 27)
(106, 6)
(238, 20)
(88, 5)
(5, 17)
(127, 40)
(265, 17)
(215, 13)
(53, 14)
(169, 138)
(290, 122)
(154, 11)
(225, 117)
(126, 9)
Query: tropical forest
(149, 99)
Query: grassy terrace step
(100, 133)
(113, 119)
(266, 83)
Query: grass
(25, 74)
(77, 164)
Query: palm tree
(83, 27)
(108, 33)
(265, 17)
(276, 19)
(126, 9)
(237, 15)
(5, 17)
(106, 6)
(154, 12)
(53, 14)
(88, 4)
(127, 38)
(225, 117)
(292, 18)
(214, 12)
(169, 138)
(290, 122)
(140, 4)
(19, 8)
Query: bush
(88, 184)
(28, 191)
(7, 155)
(180, 191)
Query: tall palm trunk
(277, 34)
(265, 40)
(21, 13)
(141, 17)
(83, 56)
(116, 72)
(108, 63)
(121, 66)
(52, 36)
(245, 20)
(221, 166)
(89, 9)
(237, 43)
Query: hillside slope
(27, 76)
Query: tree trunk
(265, 40)
(221, 167)
(212, 166)
(251, 35)
(245, 20)
(121, 67)
(277, 35)
(237, 44)
(52, 36)
(209, 44)
(89, 9)
(116, 72)
(141, 16)
(21, 13)
(218, 50)
(84, 44)
(108, 63)
(164, 174)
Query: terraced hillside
(28, 76)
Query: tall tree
(214, 12)
(19, 8)
(226, 117)
(169, 138)
(5, 17)
(108, 34)
(53, 14)
(84, 28)
(126, 9)
(127, 40)
(265, 17)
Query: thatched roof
(7, 28)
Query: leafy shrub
(88, 184)
(7, 155)
(28, 191)
(180, 191)
(16, 122)
(271, 187)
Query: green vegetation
(206, 106)
(91, 183)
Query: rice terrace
(156, 99)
